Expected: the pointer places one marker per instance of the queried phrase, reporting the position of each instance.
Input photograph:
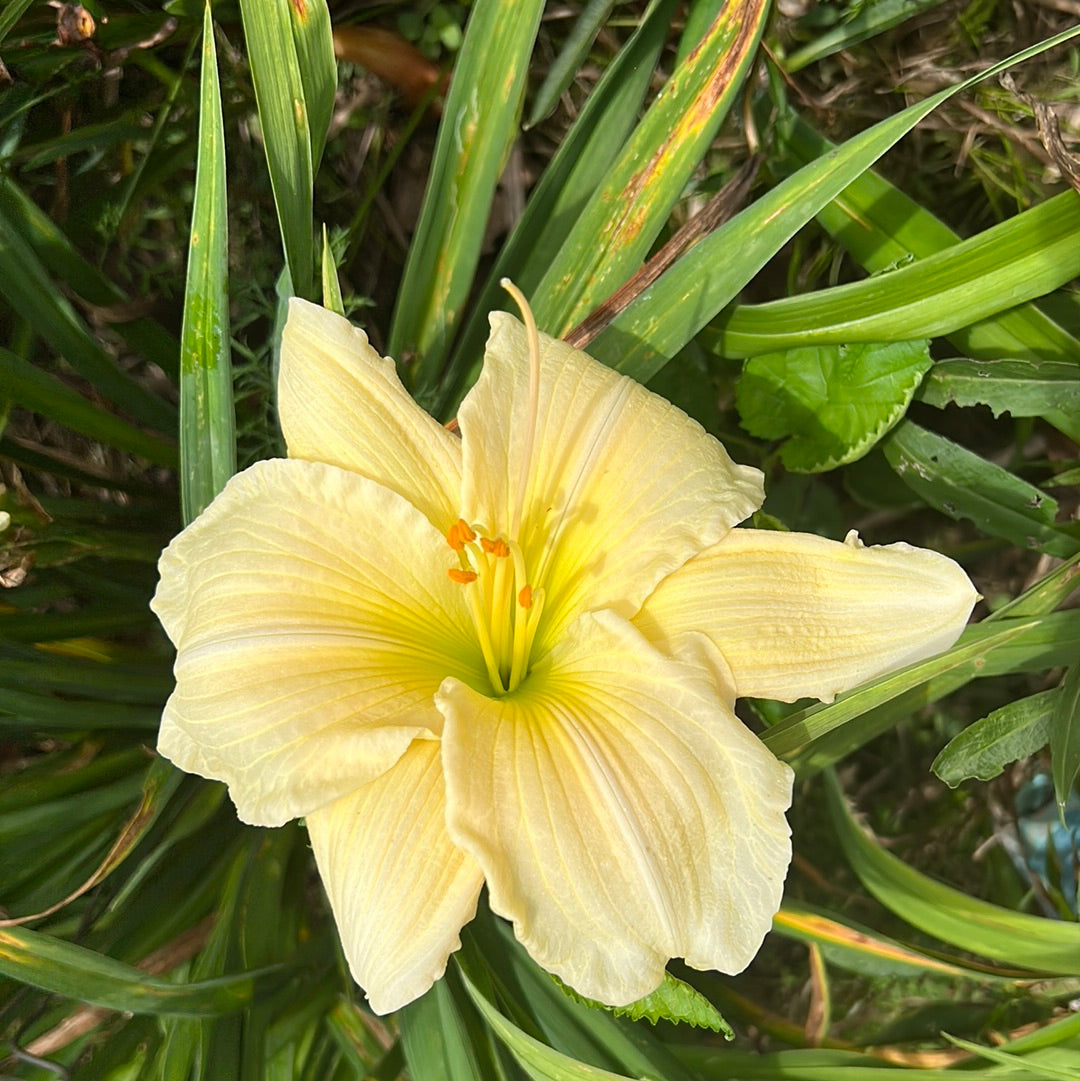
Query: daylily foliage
(512, 658)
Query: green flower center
(504, 608)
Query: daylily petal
(798, 616)
(314, 622)
(623, 486)
(340, 402)
(399, 890)
(621, 813)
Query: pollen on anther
(460, 534)
(525, 597)
(498, 547)
(461, 577)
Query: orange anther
(459, 534)
(461, 577)
(525, 597)
(497, 547)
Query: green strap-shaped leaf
(565, 66)
(314, 40)
(1010, 263)
(618, 225)
(794, 735)
(1014, 938)
(32, 294)
(63, 968)
(884, 229)
(478, 127)
(33, 389)
(207, 419)
(1065, 736)
(672, 310)
(286, 129)
(579, 165)
(331, 287)
(539, 1061)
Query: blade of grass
(479, 125)
(207, 416)
(671, 311)
(868, 22)
(314, 41)
(1065, 737)
(565, 66)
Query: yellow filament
(503, 606)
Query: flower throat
(504, 607)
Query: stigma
(504, 606)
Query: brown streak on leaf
(719, 209)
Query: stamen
(498, 547)
(525, 597)
(529, 433)
(460, 534)
(463, 578)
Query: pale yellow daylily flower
(513, 657)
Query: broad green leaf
(207, 419)
(1065, 736)
(541, 1062)
(579, 164)
(1013, 938)
(626, 213)
(286, 129)
(62, 968)
(479, 125)
(27, 385)
(690, 293)
(988, 745)
(1022, 388)
(673, 1001)
(963, 485)
(834, 402)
